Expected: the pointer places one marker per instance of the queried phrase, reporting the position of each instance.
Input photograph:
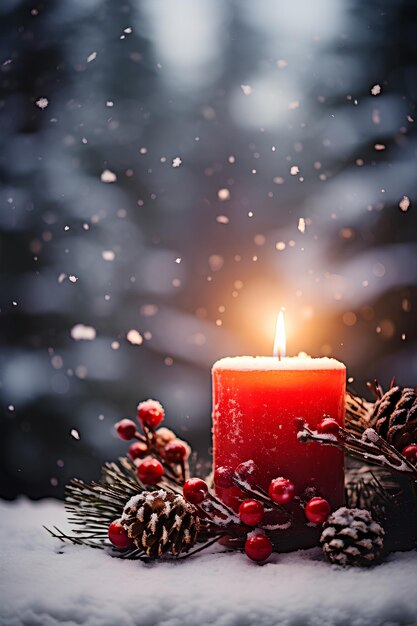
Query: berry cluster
(160, 456)
(281, 492)
(157, 452)
(250, 523)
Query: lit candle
(255, 403)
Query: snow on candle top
(300, 362)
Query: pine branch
(358, 413)
(370, 448)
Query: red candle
(255, 402)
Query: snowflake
(404, 203)
(223, 194)
(294, 170)
(42, 103)
(91, 57)
(301, 225)
(247, 89)
(108, 177)
(176, 162)
(134, 337)
(376, 90)
(79, 332)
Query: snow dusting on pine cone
(352, 537)
(161, 521)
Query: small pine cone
(394, 417)
(352, 537)
(160, 522)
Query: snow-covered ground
(43, 583)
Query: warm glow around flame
(280, 343)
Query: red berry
(251, 512)
(410, 453)
(281, 490)
(247, 472)
(175, 451)
(118, 535)
(150, 471)
(138, 450)
(328, 426)
(317, 510)
(195, 490)
(223, 476)
(126, 429)
(150, 413)
(258, 546)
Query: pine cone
(161, 522)
(394, 417)
(352, 537)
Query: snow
(42, 103)
(301, 225)
(404, 203)
(46, 583)
(267, 363)
(107, 176)
(81, 332)
(247, 89)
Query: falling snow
(42, 103)
(80, 332)
(176, 162)
(108, 176)
(108, 255)
(301, 225)
(134, 337)
(247, 89)
(223, 194)
(404, 203)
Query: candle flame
(280, 343)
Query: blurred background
(174, 172)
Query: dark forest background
(182, 169)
